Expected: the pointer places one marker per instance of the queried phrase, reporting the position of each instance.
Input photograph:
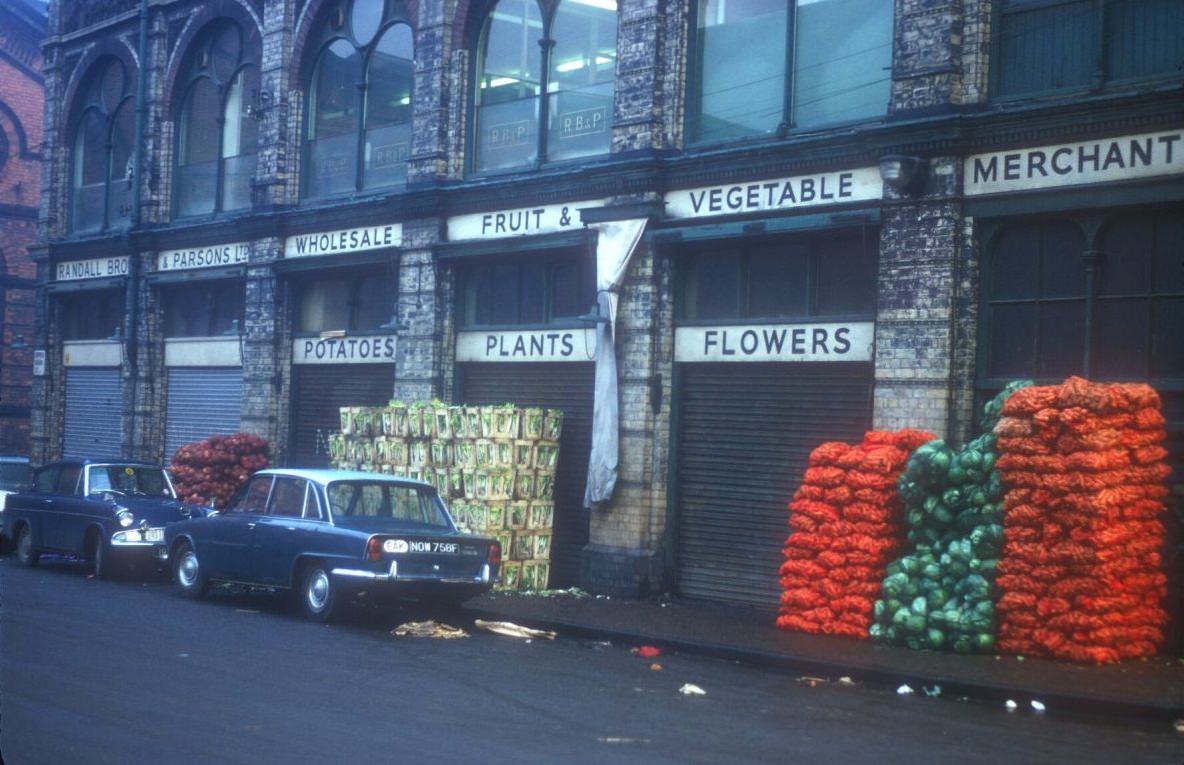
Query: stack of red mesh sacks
(847, 524)
(1081, 571)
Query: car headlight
(125, 518)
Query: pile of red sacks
(210, 471)
(846, 524)
(1081, 571)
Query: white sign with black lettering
(1073, 164)
(858, 185)
(95, 268)
(371, 349)
(544, 219)
(536, 345)
(776, 342)
(344, 240)
(211, 256)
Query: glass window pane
(508, 86)
(478, 296)
(1128, 247)
(534, 292)
(197, 160)
(333, 143)
(324, 305)
(1167, 338)
(111, 88)
(1143, 38)
(91, 315)
(90, 167)
(119, 209)
(583, 66)
(847, 277)
(841, 77)
(225, 53)
(1120, 339)
(1014, 259)
(373, 305)
(1062, 270)
(713, 286)
(364, 19)
(1047, 47)
(1060, 341)
(778, 282)
(388, 108)
(287, 497)
(566, 299)
(504, 308)
(1012, 349)
(740, 93)
(1168, 269)
(239, 142)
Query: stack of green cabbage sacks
(942, 596)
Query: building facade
(22, 104)
(714, 233)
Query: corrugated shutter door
(566, 386)
(747, 431)
(94, 413)
(202, 401)
(320, 392)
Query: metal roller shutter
(320, 392)
(746, 432)
(94, 413)
(202, 401)
(566, 386)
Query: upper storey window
(360, 95)
(766, 67)
(217, 134)
(104, 137)
(1049, 46)
(544, 87)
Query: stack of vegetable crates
(493, 465)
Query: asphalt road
(128, 672)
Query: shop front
(88, 298)
(341, 288)
(774, 326)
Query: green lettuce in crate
(941, 596)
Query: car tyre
(188, 573)
(320, 598)
(103, 566)
(26, 553)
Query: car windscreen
(129, 479)
(14, 476)
(386, 504)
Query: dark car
(107, 512)
(14, 478)
(328, 535)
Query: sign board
(95, 268)
(1073, 164)
(344, 240)
(778, 194)
(370, 349)
(211, 256)
(532, 345)
(776, 342)
(39, 363)
(523, 221)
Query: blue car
(328, 535)
(107, 512)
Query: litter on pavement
(432, 629)
(647, 651)
(510, 629)
(692, 690)
(904, 690)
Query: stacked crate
(493, 465)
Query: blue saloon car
(106, 512)
(328, 535)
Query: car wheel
(25, 552)
(318, 594)
(102, 564)
(188, 574)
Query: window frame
(93, 100)
(355, 279)
(551, 262)
(335, 24)
(548, 11)
(211, 288)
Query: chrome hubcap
(318, 590)
(187, 569)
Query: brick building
(793, 221)
(22, 101)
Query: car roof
(326, 475)
(109, 461)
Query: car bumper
(141, 541)
(392, 574)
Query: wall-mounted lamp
(18, 343)
(902, 173)
(117, 335)
(593, 316)
(261, 102)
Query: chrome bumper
(138, 537)
(393, 575)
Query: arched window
(104, 137)
(217, 133)
(566, 50)
(360, 90)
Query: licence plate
(444, 548)
(154, 535)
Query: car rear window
(381, 501)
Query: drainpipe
(133, 273)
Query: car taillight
(495, 554)
(374, 549)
